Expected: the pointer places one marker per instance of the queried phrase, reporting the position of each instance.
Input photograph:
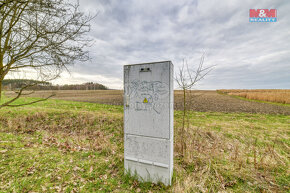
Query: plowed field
(202, 101)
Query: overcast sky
(246, 55)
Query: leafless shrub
(186, 80)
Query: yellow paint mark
(145, 101)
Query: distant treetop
(14, 84)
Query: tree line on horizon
(15, 84)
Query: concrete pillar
(148, 121)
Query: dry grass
(78, 147)
(270, 95)
(222, 154)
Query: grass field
(68, 146)
(271, 95)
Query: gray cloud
(247, 55)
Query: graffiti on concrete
(147, 95)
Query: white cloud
(247, 55)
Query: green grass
(67, 146)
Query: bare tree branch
(186, 80)
(36, 101)
(42, 35)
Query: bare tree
(41, 35)
(186, 80)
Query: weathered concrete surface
(148, 121)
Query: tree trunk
(183, 123)
(0, 90)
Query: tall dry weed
(270, 95)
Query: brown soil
(213, 101)
(199, 101)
